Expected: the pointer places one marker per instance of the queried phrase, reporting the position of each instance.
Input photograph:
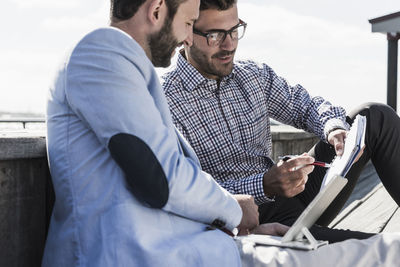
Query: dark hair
(126, 9)
(216, 4)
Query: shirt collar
(192, 78)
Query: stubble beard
(162, 45)
(209, 67)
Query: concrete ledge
(289, 140)
(26, 144)
(285, 132)
(22, 145)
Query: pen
(315, 163)
(321, 164)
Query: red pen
(315, 163)
(321, 164)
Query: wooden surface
(370, 209)
(394, 223)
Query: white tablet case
(299, 236)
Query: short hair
(126, 9)
(216, 4)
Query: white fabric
(379, 250)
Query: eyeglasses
(216, 37)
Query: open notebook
(298, 236)
(354, 144)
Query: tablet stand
(308, 239)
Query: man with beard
(223, 108)
(129, 189)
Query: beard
(162, 44)
(210, 67)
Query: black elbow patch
(143, 171)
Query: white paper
(353, 147)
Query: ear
(157, 11)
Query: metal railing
(25, 120)
(22, 120)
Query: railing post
(392, 69)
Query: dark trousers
(382, 142)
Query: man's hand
(336, 138)
(276, 229)
(250, 213)
(288, 178)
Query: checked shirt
(228, 123)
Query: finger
(298, 162)
(252, 224)
(303, 181)
(339, 147)
(305, 170)
(299, 177)
(275, 229)
(359, 154)
(299, 185)
(339, 142)
(244, 231)
(281, 229)
(299, 189)
(293, 189)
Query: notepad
(354, 144)
(299, 236)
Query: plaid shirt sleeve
(252, 185)
(294, 106)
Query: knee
(373, 110)
(383, 124)
(382, 112)
(381, 118)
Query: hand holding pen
(288, 178)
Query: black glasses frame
(207, 34)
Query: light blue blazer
(108, 86)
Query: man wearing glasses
(223, 108)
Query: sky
(326, 46)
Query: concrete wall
(287, 140)
(26, 198)
(26, 195)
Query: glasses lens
(214, 38)
(239, 31)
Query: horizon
(326, 47)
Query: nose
(228, 43)
(189, 38)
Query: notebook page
(353, 146)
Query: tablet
(298, 236)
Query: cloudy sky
(327, 46)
